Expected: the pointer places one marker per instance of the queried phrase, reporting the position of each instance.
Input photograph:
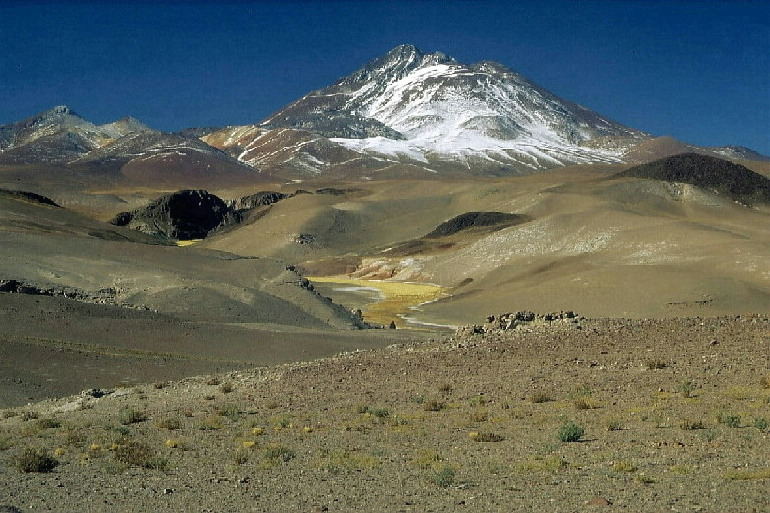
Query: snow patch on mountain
(442, 110)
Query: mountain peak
(58, 111)
(404, 50)
(428, 106)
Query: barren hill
(718, 175)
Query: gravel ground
(674, 414)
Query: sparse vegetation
(656, 365)
(686, 388)
(279, 453)
(540, 397)
(445, 388)
(570, 432)
(230, 410)
(35, 460)
(131, 416)
(226, 388)
(135, 453)
(341, 460)
(170, 423)
(624, 466)
(585, 403)
(48, 423)
(488, 437)
(374, 411)
(730, 420)
(690, 425)
(433, 405)
(379, 437)
(241, 456)
(443, 476)
(210, 423)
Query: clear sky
(696, 70)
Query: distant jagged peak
(58, 114)
(60, 109)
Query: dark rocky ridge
(183, 215)
(258, 199)
(711, 173)
(497, 220)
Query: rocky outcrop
(105, 296)
(183, 215)
(257, 199)
(512, 320)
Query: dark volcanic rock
(711, 173)
(468, 220)
(258, 199)
(183, 215)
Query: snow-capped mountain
(429, 108)
(283, 151)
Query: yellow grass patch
(185, 243)
(398, 296)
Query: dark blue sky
(696, 70)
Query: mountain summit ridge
(428, 107)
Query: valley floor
(675, 416)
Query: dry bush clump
(279, 453)
(48, 424)
(136, 453)
(131, 416)
(691, 425)
(488, 437)
(585, 403)
(433, 405)
(35, 460)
